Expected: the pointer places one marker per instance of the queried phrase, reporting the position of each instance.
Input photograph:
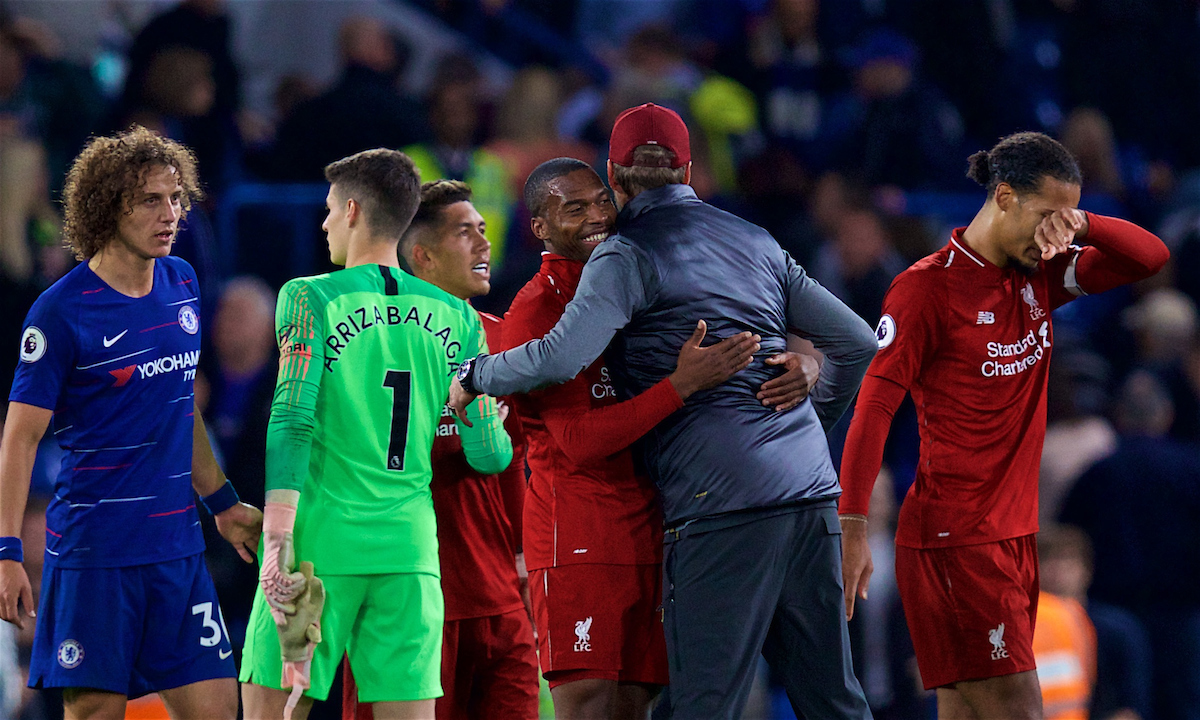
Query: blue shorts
(130, 630)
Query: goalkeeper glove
(299, 634)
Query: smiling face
(1023, 212)
(460, 254)
(579, 215)
(147, 228)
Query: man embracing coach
(752, 559)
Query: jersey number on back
(401, 384)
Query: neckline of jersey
(107, 286)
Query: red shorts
(489, 672)
(600, 621)
(970, 609)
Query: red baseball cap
(649, 124)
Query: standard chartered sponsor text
(1028, 346)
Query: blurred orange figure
(147, 707)
(1064, 646)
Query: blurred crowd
(841, 126)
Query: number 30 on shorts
(213, 631)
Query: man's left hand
(1055, 234)
(459, 400)
(789, 389)
(241, 525)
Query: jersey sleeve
(512, 480)
(1118, 253)
(815, 314)
(865, 441)
(49, 348)
(591, 435)
(299, 327)
(908, 332)
(485, 443)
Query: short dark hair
(105, 175)
(384, 182)
(436, 196)
(537, 187)
(1022, 160)
(651, 169)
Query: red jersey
(585, 503)
(971, 343)
(478, 519)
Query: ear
(687, 174)
(1004, 196)
(353, 211)
(612, 179)
(422, 260)
(540, 228)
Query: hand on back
(700, 368)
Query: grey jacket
(677, 260)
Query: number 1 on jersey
(401, 384)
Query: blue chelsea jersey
(117, 372)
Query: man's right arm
(48, 352)
(908, 338)
(23, 430)
(842, 337)
(610, 291)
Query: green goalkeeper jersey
(366, 359)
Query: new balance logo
(109, 343)
(996, 636)
(583, 642)
(986, 318)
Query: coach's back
(724, 451)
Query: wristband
(221, 500)
(11, 549)
(853, 516)
(279, 517)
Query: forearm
(863, 455)
(609, 292)
(485, 443)
(207, 477)
(574, 343)
(16, 468)
(23, 431)
(586, 437)
(1120, 253)
(289, 445)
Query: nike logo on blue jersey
(224, 653)
(109, 343)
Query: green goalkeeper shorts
(389, 625)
